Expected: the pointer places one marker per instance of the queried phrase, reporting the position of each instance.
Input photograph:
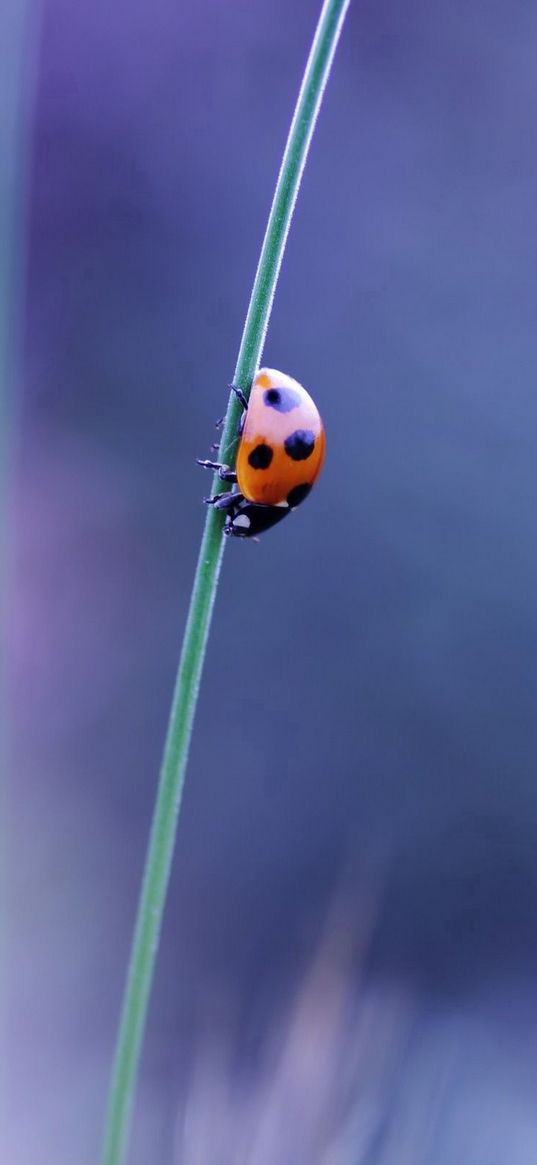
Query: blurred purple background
(367, 717)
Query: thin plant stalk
(170, 789)
(19, 30)
(18, 43)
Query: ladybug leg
(240, 397)
(224, 501)
(224, 472)
(239, 394)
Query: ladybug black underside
(245, 519)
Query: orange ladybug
(280, 455)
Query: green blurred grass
(19, 22)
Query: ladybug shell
(282, 445)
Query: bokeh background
(348, 966)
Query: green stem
(19, 23)
(168, 802)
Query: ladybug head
(248, 520)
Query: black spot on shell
(281, 399)
(260, 457)
(298, 494)
(300, 444)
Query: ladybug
(280, 455)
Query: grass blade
(164, 825)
